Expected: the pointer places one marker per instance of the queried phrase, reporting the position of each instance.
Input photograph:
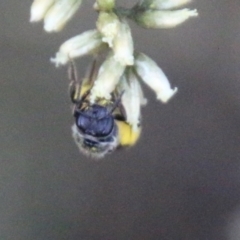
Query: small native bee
(99, 127)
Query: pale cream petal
(39, 9)
(131, 98)
(59, 14)
(108, 25)
(164, 19)
(154, 77)
(86, 43)
(108, 77)
(165, 4)
(123, 45)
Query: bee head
(95, 131)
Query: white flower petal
(39, 8)
(164, 19)
(154, 77)
(86, 43)
(107, 79)
(59, 14)
(123, 45)
(108, 25)
(131, 98)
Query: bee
(100, 127)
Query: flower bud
(154, 77)
(88, 42)
(107, 79)
(164, 4)
(123, 45)
(164, 19)
(39, 8)
(104, 5)
(59, 14)
(108, 25)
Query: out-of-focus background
(180, 182)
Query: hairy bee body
(99, 127)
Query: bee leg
(79, 90)
(117, 102)
(74, 86)
(92, 72)
(122, 112)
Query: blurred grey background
(180, 182)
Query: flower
(54, 13)
(132, 98)
(108, 25)
(104, 5)
(154, 77)
(118, 36)
(107, 79)
(86, 43)
(123, 45)
(39, 9)
(164, 4)
(164, 18)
